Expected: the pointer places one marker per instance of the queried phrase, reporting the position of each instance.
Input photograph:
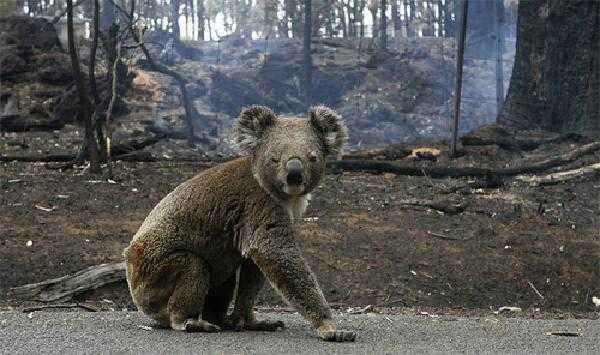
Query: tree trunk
(175, 4)
(92, 75)
(395, 18)
(499, 54)
(383, 25)
(192, 13)
(462, 33)
(200, 11)
(556, 77)
(449, 22)
(89, 146)
(307, 52)
(406, 20)
(410, 28)
(342, 18)
(440, 17)
(374, 9)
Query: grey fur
(182, 263)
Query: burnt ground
(364, 244)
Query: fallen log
(124, 151)
(525, 167)
(66, 287)
(17, 123)
(562, 176)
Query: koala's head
(289, 153)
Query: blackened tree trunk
(200, 11)
(499, 54)
(342, 18)
(307, 52)
(449, 22)
(362, 18)
(97, 122)
(90, 149)
(410, 29)
(383, 25)
(395, 18)
(175, 4)
(555, 83)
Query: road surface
(124, 332)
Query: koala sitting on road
(233, 224)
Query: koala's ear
(330, 127)
(251, 126)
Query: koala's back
(208, 215)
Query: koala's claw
(330, 333)
(194, 325)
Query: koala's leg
(276, 254)
(186, 303)
(217, 302)
(251, 281)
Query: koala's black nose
(294, 172)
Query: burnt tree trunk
(90, 148)
(175, 4)
(395, 18)
(383, 26)
(555, 83)
(307, 52)
(200, 11)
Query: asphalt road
(124, 332)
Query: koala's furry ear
(251, 126)
(330, 126)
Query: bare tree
(499, 54)
(175, 4)
(201, 16)
(89, 149)
(383, 25)
(307, 52)
(395, 19)
(92, 76)
(462, 34)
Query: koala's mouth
(293, 190)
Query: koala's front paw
(329, 332)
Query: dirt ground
(512, 246)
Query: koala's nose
(294, 171)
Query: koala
(232, 226)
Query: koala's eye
(312, 156)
